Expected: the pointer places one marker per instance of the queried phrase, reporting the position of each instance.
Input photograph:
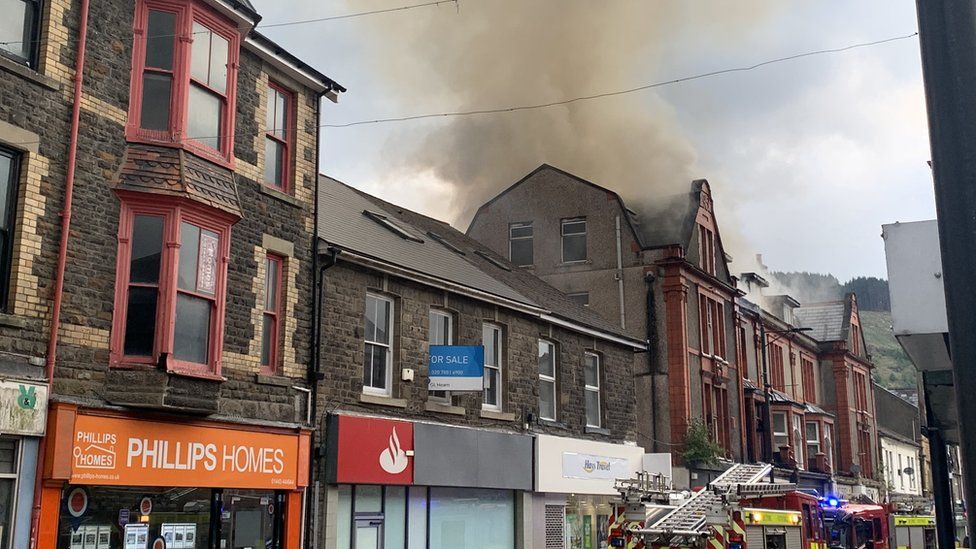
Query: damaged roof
(828, 321)
(352, 220)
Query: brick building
(664, 278)
(175, 179)
(663, 274)
(485, 466)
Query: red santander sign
(372, 450)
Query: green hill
(893, 368)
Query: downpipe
(52, 345)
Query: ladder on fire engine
(688, 520)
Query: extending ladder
(689, 518)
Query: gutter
(52, 346)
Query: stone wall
(39, 103)
(345, 291)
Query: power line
(283, 23)
(620, 92)
(645, 87)
(360, 14)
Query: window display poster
(136, 536)
(179, 535)
(92, 536)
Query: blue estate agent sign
(456, 368)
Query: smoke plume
(498, 53)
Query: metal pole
(947, 33)
(945, 520)
(767, 413)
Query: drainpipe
(52, 345)
(651, 334)
(315, 370)
(620, 278)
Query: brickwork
(344, 304)
(88, 304)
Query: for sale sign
(456, 368)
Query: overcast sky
(806, 158)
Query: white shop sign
(588, 466)
(576, 466)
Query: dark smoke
(496, 53)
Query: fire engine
(738, 510)
(851, 526)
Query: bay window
(20, 30)
(547, 380)
(781, 434)
(184, 77)
(813, 440)
(271, 318)
(278, 138)
(798, 445)
(170, 284)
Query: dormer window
(184, 75)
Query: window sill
(381, 400)
(597, 431)
(552, 423)
(499, 416)
(274, 193)
(575, 263)
(12, 321)
(443, 408)
(28, 74)
(277, 381)
(197, 375)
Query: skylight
(445, 243)
(493, 261)
(392, 227)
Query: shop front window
(417, 517)
(587, 520)
(118, 517)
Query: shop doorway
(369, 532)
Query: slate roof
(828, 321)
(449, 254)
(174, 172)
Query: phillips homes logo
(95, 450)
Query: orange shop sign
(132, 452)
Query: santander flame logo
(393, 459)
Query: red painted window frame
(291, 119)
(187, 11)
(777, 370)
(809, 379)
(174, 212)
(272, 368)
